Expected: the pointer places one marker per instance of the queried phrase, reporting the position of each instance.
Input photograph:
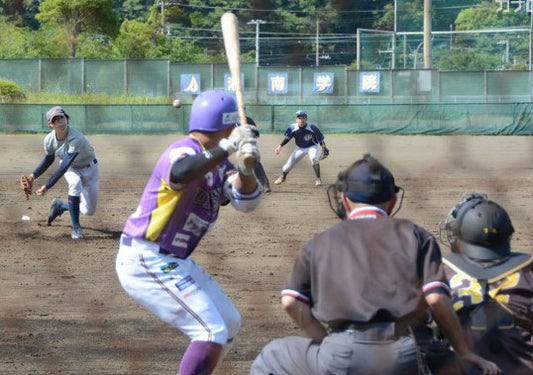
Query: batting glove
(248, 155)
(237, 136)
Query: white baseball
(176, 103)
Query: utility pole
(395, 29)
(530, 34)
(162, 16)
(256, 23)
(317, 46)
(427, 34)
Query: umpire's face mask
(335, 202)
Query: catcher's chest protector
(490, 311)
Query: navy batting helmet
(213, 111)
(367, 181)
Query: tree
(135, 9)
(486, 16)
(135, 40)
(79, 16)
(96, 47)
(15, 42)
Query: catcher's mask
(365, 181)
(478, 228)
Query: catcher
(492, 285)
(78, 165)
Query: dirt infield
(62, 310)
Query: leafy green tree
(467, 61)
(487, 16)
(15, 42)
(96, 47)
(51, 42)
(135, 9)
(135, 40)
(20, 11)
(79, 16)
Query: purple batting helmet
(213, 111)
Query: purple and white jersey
(178, 219)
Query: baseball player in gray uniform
(362, 291)
(179, 205)
(79, 166)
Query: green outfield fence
(487, 118)
(338, 99)
(302, 85)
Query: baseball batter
(79, 166)
(492, 286)
(179, 205)
(307, 138)
(362, 291)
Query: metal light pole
(256, 23)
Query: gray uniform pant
(341, 353)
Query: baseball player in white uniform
(79, 166)
(179, 205)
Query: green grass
(91, 98)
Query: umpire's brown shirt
(370, 267)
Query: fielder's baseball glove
(325, 153)
(26, 184)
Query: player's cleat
(55, 210)
(76, 233)
(267, 188)
(280, 180)
(318, 182)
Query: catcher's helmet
(479, 228)
(213, 111)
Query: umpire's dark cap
(367, 181)
(53, 112)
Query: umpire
(363, 292)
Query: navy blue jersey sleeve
(289, 133)
(65, 164)
(318, 133)
(44, 165)
(287, 136)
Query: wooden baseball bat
(230, 31)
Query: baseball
(176, 103)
